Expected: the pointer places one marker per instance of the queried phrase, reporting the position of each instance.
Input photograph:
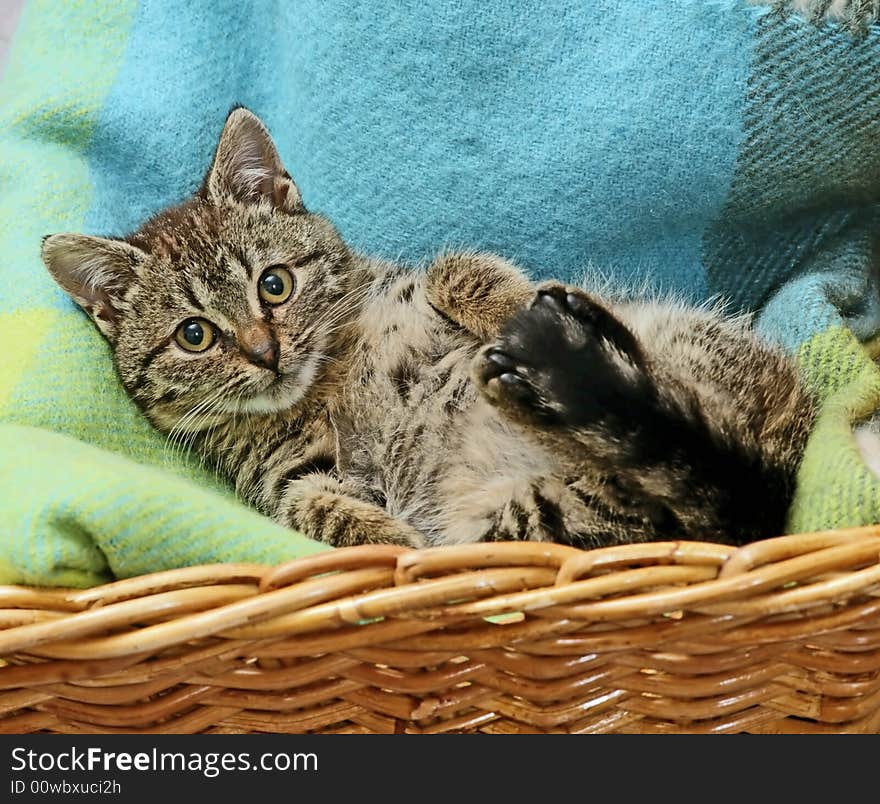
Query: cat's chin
(284, 392)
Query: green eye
(276, 284)
(195, 335)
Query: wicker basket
(779, 636)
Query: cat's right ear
(247, 166)
(95, 272)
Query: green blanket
(720, 148)
(75, 515)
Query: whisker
(180, 435)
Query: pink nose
(266, 355)
(258, 345)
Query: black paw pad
(579, 305)
(498, 362)
(551, 298)
(593, 320)
(518, 388)
(503, 378)
(563, 359)
(561, 301)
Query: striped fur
(445, 406)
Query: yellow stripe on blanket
(24, 330)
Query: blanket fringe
(856, 16)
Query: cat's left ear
(96, 272)
(247, 167)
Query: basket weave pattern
(779, 636)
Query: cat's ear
(95, 272)
(247, 167)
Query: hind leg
(570, 371)
(564, 361)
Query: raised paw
(503, 379)
(564, 358)
(585, 319)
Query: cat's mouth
(283, 392)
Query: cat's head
(229, 303)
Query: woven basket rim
(75, 654)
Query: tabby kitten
(362, 402)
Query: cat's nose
(266, 356)
(260, 347)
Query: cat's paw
(565, 358)
(586, 322)
(397, 533)
(319, 506)
(505, 377)
(477, 291)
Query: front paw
(396, 532)
(318, 506)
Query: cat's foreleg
(478, 291)
(323, 508)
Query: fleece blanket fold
(714, 148)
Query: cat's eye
(276, 284)
(195, 335)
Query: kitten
(362, 402)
